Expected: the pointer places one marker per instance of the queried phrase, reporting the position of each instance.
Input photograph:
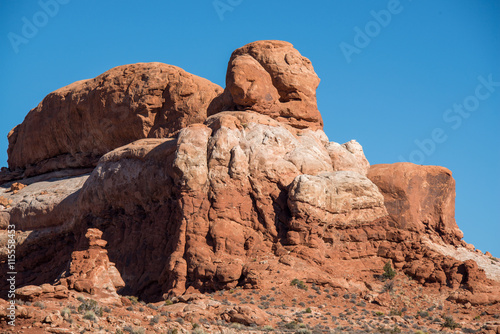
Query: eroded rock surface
(75, 125)
(211, 199)
(181, 204)
(272, 78)
(419, 198)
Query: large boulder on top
(75, 125)
(272, 78)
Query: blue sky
(396, 85)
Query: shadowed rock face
(75, 125)
(237, 198)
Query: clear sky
(410, 80)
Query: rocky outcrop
(253, 194)
(349, 157)
(75, 125)
(43, 214)
(219, 192)
(419, 198)
(272, 78)
(90, 269)
(339, 197)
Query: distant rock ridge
(150, 181)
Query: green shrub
(299, 284)
(389, 273)
(90, 305)
(133, 299)
(168, 302)
(379, 314)
(450, 323)
(308, 310)
(423, 314)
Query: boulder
(348, 157)
(75, 125)
(272, 78)
(339, 198)
(419, 198)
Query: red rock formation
(75, 125)
(419, 198)
(244, 197)
(90, 269)
(272, 78)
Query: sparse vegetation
(236, 325)
(389, 273)
(423, 314)
(394, 330)
(133, 299)
(65, 312)
(449, 322)
(388, 286)
(154, 320)
(90, 305)
(39, 304)
(138, 330)
(89, 315)
(303, 331)
(395, 312)
(299, 284)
